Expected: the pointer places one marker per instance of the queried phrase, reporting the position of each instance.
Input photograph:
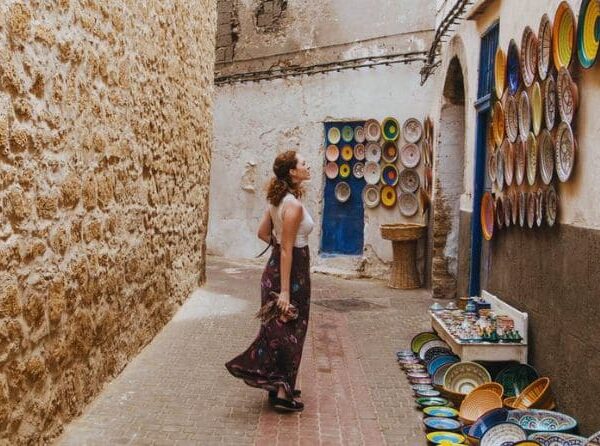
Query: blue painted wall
(343, 223)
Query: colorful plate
(412, 130)
(477, 403)
(532, 159)
(342, 191)
(492, 166)
(430, 345)
(345, 170)
(372, 130)
(372, 172)
(567, 95)
(359, 152)
(544, 46)
(498, 123)
(503, 434)
(443, 437)
(408, 203)
(546, 149)
(389, 153)
(513, 67)
(511, 118)
(390, 128)
(440, 361)
(487, 216)
(358, 170)
(359, 134)
(331, 170)
(431, 401)
(333, 135)
(508, 151)
(538, 420)
(438, 376)
(347, 133)
(332, 153)
(499, 213)
(558, 439)
(551, 206)
(370, 196)
(549, 101)
(418, 340)
(440, 411)
(564, 151)
(563, 35)
(409, 180)
(500, 73)
(410, 155)
(347, 152)
(389, 175)
(388, 197)
(520, 160)
(528, 56)
(441, 424)
(588, 36)
(524, 114)
(373, 152)
(499, 170)
(536, 108)
(463, 377)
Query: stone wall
(105, 132)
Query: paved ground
(177, 391)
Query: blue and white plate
(557, 439)
(441, 424)
(538, 420)
(503, 434)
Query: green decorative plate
(347, 133)
(431, 401)
(420, 339)
(515, 378)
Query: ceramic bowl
(438, 376)
(509, 403)
(420, 380)
(527, 443)
(431, 401)
(538, 420)
(405, 353)
(515, 378)
(420, 339)
(404, 361)
(455, 397)
(440, 411)
(444, 437)
(488, 420)
(494, 387)
(436, 343)
(537, 395)
(417, 387)
(477, 403)
(438, 361)
(441, 424)
(417, 375)
(473, 441)
(390, 129)
(503, 434)
(434, 352)
(414, 367)
(463, 377)
(427, 393)
(553, 439)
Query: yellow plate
(347, 153)
(388, 196)
(563, 35)
(345, 170)
(500, 72)
(536, 108)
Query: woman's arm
(292, 216)
(264, 229)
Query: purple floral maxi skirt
(274, 357)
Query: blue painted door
(489, 44)
(343, 223)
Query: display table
(488, 351)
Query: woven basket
(402, 232)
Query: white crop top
(305, 228)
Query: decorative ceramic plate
(405, 353)
(511, 118)
(331, 170)
(491, 135)
(388, 197)
(370, 196)
(558, 439)
(342, 192)
(520, 160)
(345, 170)
(522, 216)
(503, 434)
(507, 210)
(443, 437)
(372, 172)
(498, 123)
(333, 135)
(538, 420)
(563, 35)
(389, 175)
(564, 151)
(550, 101)
(499, 170)
(413, 130)
(567, 95)
(408, 203)
(410, 155)
(441, 424)
(358, 170)
(438, 376)
(409, 180)
(539, 207)
(359, 134)
(372, 130)
(524, 114)
(439, 361)
(347, 133)
(487, 216)
(431, 401)
(528, 56)
(492, 166)
(373, 152)
(551, 206)
(389, 153)
(512, 66)
(536, 108)
(546, 148)
(544, 46)
(347, 152)
(514, 206)
(427, 393)
(486, 421)
(440, 411)
(418, 340)
(431, 344)
(532, 161)
(390, 128)
(332, 153)
(509, 162)
(588, 34)
(463, 377)
(499, 213)
(500, 73)
(417, 387)
(531, 206)
(433, 353)
(359, 152)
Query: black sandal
(295, 393)
(288, 405)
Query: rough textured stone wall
(105, 127)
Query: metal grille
(489, 44)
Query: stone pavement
(177, 391)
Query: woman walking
(273, 359)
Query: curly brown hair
(282, 184)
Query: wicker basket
(404, 274)
(402, 231)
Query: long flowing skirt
(273, 359)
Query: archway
(448, 186)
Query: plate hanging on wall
(528, 56)
(536, 108)
(564, 151)
(524, 114)
(345, 170)
(550, 101)
(492, 166)
(487, 216)
(389, 153)
(372, 130)
(513, 67)
(511, 118)
(373, 152)
(370, 196)
(410, 155)
(531, 206)
(514, 206)
(509, 162)
(520, 160)
(499, 73)
(342, 192)
(389, 175)
(359, 152)
(388, 196)
(390, 128)
(499, 214)
(588, 32)
(563, 35)
(331, 170)
(546, 148)
(539, 209)
(532, 159)
(332, 152)
(372, 172)
(413, 130)
(522, 209)
(408, 203)
(409, 180)
(568, 95)
(358, 170)
(498, 123)
(347, 152)
(507, 210)
(544, 58)
(333, 135)
(551, 206)
(499, 170)
(347, 133)
(359, 134)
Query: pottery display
(359, 134)
(441, 424)
(558, 439)
(564, 151)
(331, 170)
(568, 96)
(532, 159)
(373, 152)
(513, 67)
(524, 114)
(440, 411)
(498, 123)
(487, 216)
(388, 196)
(346, 152)
(445, 438)
(389, 174)
(370, 196)
(515, 378)
(536, 108)
(332, 153)
(520, 160)
(409, 180)
(372, 130)
(499, 73)
(528, 56)
(538, 420)
(345, 170)
(412, 130)
(546, 155)
(588, 35)
(389, 152)
(549, 102)
(531, 208)
(463, 377)
(563, 35)
(511, 118)
(544, 58)
(551, 206)
(487, 421)
(390, 129)
(333, 135)
(410, 155)
(537, 395)
(436, 363)
(503, 434)
(431, 401)
(358, 170)
(347, 133)
(359, 152)
(372, 172)
(432, 344)
(522, 208)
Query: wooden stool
(404, 238)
